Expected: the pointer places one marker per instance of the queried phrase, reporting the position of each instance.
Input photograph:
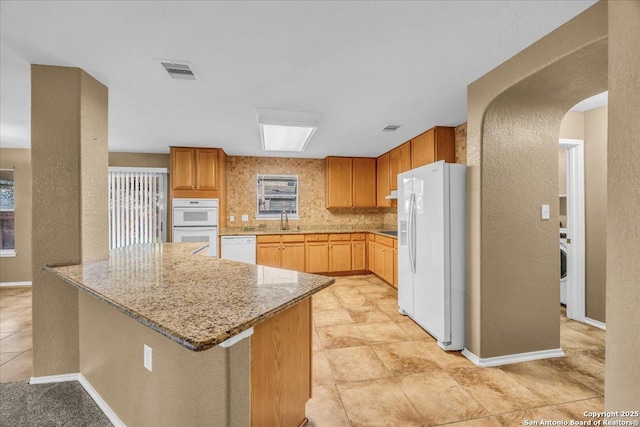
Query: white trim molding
(512, 358)
(104, 407)
(137, 169)
(596, 323)
(14, 284)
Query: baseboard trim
(104, 407)
(14, 284)
(54, 379)
(596, 323)
(512, 358)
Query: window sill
(7, 253)
(274, 217)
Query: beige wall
(139, 160)
(212, 385)
(18, 268)
(241, 194)
(514, 116)
(622, 366)
(69, 203)
(572, 125)
(595, 186)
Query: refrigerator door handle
(413, 233)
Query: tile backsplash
(241, 196)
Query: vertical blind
(137, 211)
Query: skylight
(286, 130)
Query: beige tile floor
(374, 367)
(15, 334)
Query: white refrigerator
(431, 250)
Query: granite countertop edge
(182, 338)
(175, 336)
(224, 232)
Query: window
(137, 211)
(277, 194)
(7, 209)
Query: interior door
(429, 289)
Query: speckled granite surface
(195, 300)
(258, 231)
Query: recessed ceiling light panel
(180, 70)
(286, 130)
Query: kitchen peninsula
(151, 295)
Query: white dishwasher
(239, 248)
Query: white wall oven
(196, 220)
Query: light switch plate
(544, 212)
(232, 218)
(245, 218)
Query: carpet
(56, 404)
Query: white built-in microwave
(195, 212)
(196, 220)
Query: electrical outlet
(148, 358)
(245, 218)
(544, 212)
(232, 218)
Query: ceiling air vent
(390, 128)
(179, 70)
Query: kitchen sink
(390, 232)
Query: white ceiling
(596, 101)
(362, 65)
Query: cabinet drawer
(272, 238)
(317, 237)
(339, 237)
(358, 236)
(293, 238)
(387, 241)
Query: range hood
(393, 195)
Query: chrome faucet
(284, 220)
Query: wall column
(69, 203)
(622, 366)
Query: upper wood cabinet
(194, 168)
(350, 182)
(399, 161)
(364, 182)
(436, 144)
(383, 189)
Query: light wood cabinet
(281, 354)
(281, 251)
(317, 253)
(339, 253)
(383, 258)
(399, 161)
(358, 256)
(364, 182)
(194, 169)
(350, 182)
(382, 177)
(436, 144)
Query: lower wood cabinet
(282, 251)
(317, 253)
(339, 253)
(281, 367)
(384, 257)
(358, 255)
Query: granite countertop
(257, 231)
(195, 300)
